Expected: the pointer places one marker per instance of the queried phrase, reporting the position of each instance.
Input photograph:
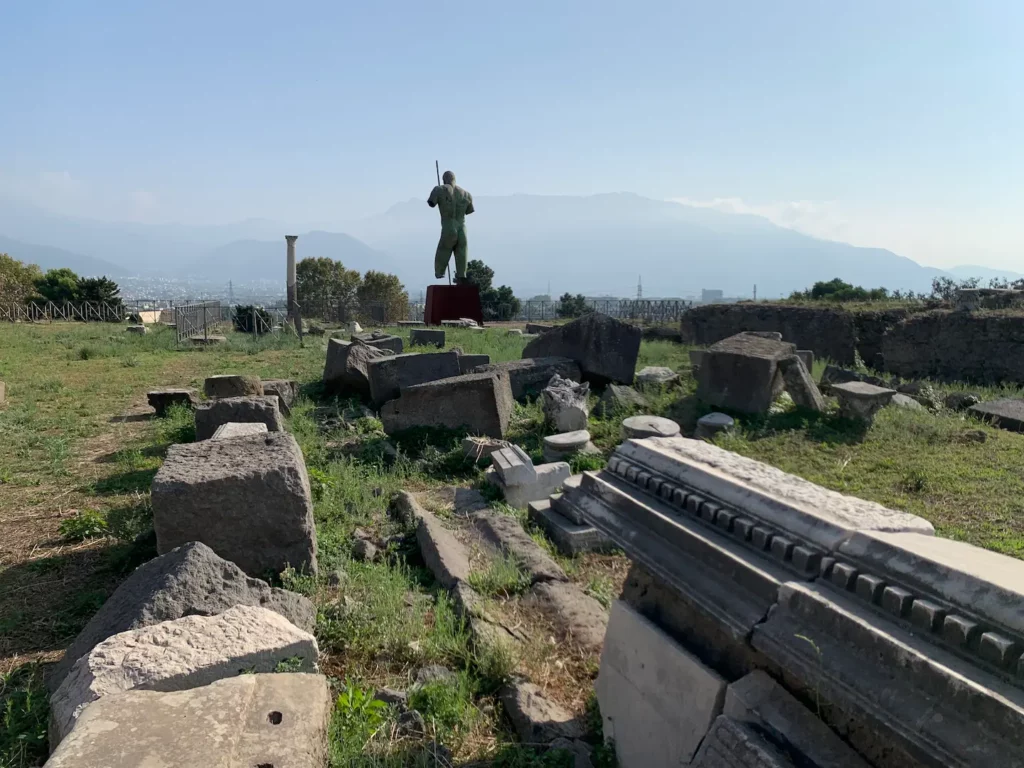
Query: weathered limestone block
(656, 376)
(605, 348)
(230, 385)
(1007, 413)
(445, 556)
(537, 719)
(505, 534)
(255, 408)
(235, 429)
(513, 465)
(189, 580)
(861, 401)
(800, 385)
(643, 671)
(247, 498)
(347, 366)
(741, 373)
(184, 653)
(285, 389)
(381, 340)
(161, 400)
(564, 402)
(549, 479)
(390, 375)
(479, 402)
(529, 376)
(432, 337)
(639, 427)
(245, 721)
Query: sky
(897, 124)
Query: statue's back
(453, 202)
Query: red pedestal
(452, 302)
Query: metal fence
(93, 311)
(195, 319)
(643, 310)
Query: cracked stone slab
(536, 718)
(505, 533)
(248, 721)
(576, 613)
(445, 556)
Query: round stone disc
(649, 426)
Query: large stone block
(248, 721)
(184, 653)
(569, 537)
(479, 402)
(192, 579)
(389, 376)
(733, 744)
(235, 429)
(285, 389)
(800, 385)
(381, 340)
(605, 348)
(230, 385)
(431, 337)
(161, 400)
(346, 368)
(247, 498)
(469, 363)
(529, 376)
(741, 373)
(548, 480)
(643, 672)
(1007, 413)
(253, 409)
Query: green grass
(503, 577)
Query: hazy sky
(888, 123)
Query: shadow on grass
(819, 427)
(132, 417)
(130, 481)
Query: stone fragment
(346, 369)
(507, 535)
(741, 373)
(433, 673)
(411, 724)
(161, 400)
(549, 478)
(469, 363)
(580, 617)
(183, 653)
(527, 377)
(733, 744)
(481, 403)
(656, 376)
(605, 348)
(477, 448)
(564, 402)
(836, 375)
(571, 538)
(285, 389)
(961, 401)
(514, 466)
(252, 409)
(389, 376)
(807, 356)
(711, 424)
(381, 340)
(364, 551)
(247, 721)
(800, 385)
(559, 447)
(861, 401)
(445, 556)
(638, 427)
(393, 698)
(192, 579)
(642, 672)
(1007, 413)
(141, 330)
(536, 718)
(617, 399)
(238, 429)
(431, 337)
(247, 498)
(905, 401)
(232, 386)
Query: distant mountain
(47, 257)
(603, 243)
(983, 273)
(265, 259)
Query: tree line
(22, 283)
(943, 289)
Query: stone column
(293, 307)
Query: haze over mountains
(595, 245)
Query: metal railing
(195, 319)
(48, 311)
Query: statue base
(452, 302)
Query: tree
(17, 280)
(58, 286)
(572, 306)
(101, 289)
(382, 297)
(838, 290)
(323, 284)
(496, 303)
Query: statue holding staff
(454, 204)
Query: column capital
(291, 239)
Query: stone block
(570, 538)
(800, 385)
(1007, 413)
(639, 427)
(445, 556)
(285, 389)
(141, 330)
(711, 424)
(605, 348)
(860, 400)
(529, 376)
(536, 718)
(643, 671)
(381, 340)
(161, 400)
(247, 498)
(247, 721)
(618, 398)
(192, 579)
(411, 323)
(514, 466)
(807, 356)
(253, 409)
(733, 744)
(505, 534)
(741, 373)
(230, 385)
(481, 403)
(558, 447)
(431, 337)
(565, 405)
(236, 429)
(346, 370)
(390, 375)
(469, 363)
(549, 479)
(656, 376)
(759, 701)
(176, 655)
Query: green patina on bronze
(454, 204)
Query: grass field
(78, 450)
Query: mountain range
(597, 245)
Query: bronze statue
(454, 204)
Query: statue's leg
(443, 254)
(461, 255)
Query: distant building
(710, 295)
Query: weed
(87, 524)
(600, 588)
(89, 352)
(448, 704)
(503, 577)
(291, 664)
(586, 462)
(357, 717)
(130, 361)
(24, 712)
(319, 482)
(51, 385)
